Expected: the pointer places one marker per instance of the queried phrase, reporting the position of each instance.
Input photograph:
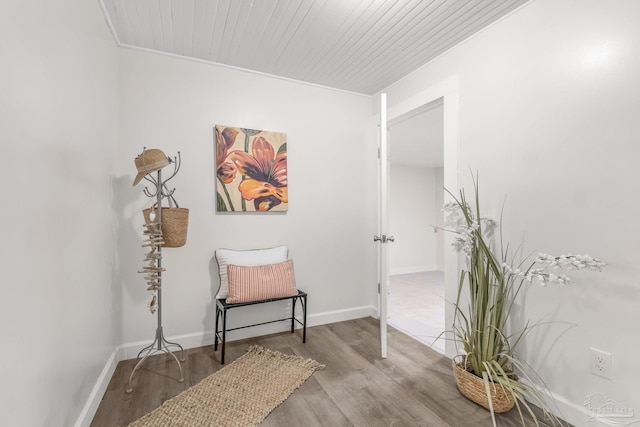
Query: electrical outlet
(601, 363)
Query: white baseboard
(93, 401)
(573, 413)
(199, 339)
(341, 315)
(415, 269)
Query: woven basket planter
(472, 387)
(175, 223)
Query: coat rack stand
(160, 343)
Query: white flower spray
(464, 242)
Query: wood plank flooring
(414, 386)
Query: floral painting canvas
(251, 170)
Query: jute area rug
(241, 394)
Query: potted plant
(488, 370)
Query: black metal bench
(221, 314)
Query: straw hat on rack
(149, 161)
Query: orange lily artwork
(251, 170)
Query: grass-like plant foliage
(487, 291)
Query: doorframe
(448, 91)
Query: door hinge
(379, 290)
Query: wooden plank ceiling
(359, 46)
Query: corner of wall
(93, 401)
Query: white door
(447, 90)
(383, 238)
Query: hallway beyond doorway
(416, 306)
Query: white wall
(173, 104)
(412, 215)
(58, 112)
(549, 118)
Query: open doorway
(416, 259)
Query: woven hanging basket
(472, 387)
(175, 223)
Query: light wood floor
(414, 386)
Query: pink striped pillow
(258, 282)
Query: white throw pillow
(245, 258)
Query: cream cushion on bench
(252, 257)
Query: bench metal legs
(221, 316)
(303, 302)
